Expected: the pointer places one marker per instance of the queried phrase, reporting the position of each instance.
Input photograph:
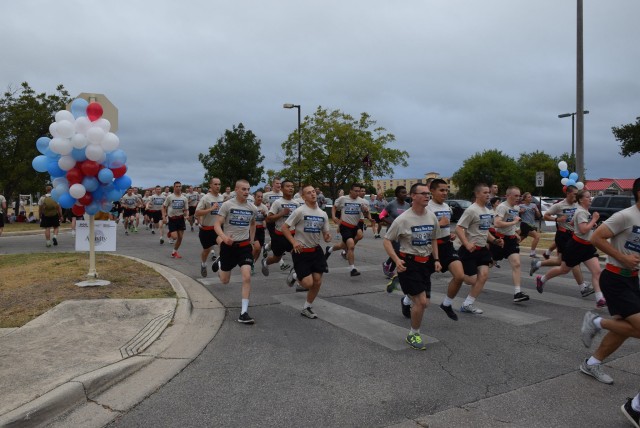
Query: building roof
(606, 183)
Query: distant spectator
(32, 218)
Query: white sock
(295, 276)
(245, 306)
(635, 403)
(517, 289)
(543, 278)
(330, 250)
(447, 301)
(414, 331)
(593, 361)
(547, 252)
(203, 264)
(406, 300)
(583, 286)
(599, 295)
(281, 262)
(469, 300)
(538, 264)
(598, 323)
(533, 252)
(307, 305)
(352, 267)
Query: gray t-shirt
(414, 232)
(528, 213)
(155, 202)
(563, 208)
(129, 202)
(507, 213)
(476, 221)
(394, 209)
(442, 210)
(176, 205)
(281, 204)
(351, 209)
(582, 216)
(237, 218)
(309, 225)
(625, 226)
(208, 201)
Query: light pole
(573, 137)
(288, 105)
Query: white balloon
(110, 142)
(66, 163)
(94, 152)
(66, 129)
(102, 158)
(77, 190)
(562, 165)
(64, 115)
(95, 134)
(564, 181)
(53, 129)
(79, 141)
(580, 185)
(58, 181)
(82, 125)
(103, 123)
(61, 146)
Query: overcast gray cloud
(448, 78)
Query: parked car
(607, 205)
(457, 207)
(327, 207)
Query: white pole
(92, 248)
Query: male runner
(236, 226)
(206, 211)
(387, 216)
(269, 197)
(129, 203)
(279, 211)
(154, 211)
(50, 213)
(192, 197)
(376, 206)
(309, 223)
(261, 217)
(418, 257)
(174, 211)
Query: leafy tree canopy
(338, 149)
(24, 117)
(236, 155)
(629, 138)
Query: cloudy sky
(449, 78)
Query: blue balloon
(564, 173)
(43, 144)
(114, 195)
(116, 158)
(55, 194)
(79, 107)
(97, 193)
(79, 155)
(105, 175)
(122, 183)
(573, 176)
(51, 155)
(40, 163)
(54, 169)
(90, 183)
(92, 208)
(66, 200)
(571, 182)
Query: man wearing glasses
(415, 229)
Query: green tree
(490, 167)
(236, 155)
(629, 138)
(530, 163)
(338, 149)
(24, 117)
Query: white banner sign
(105, 235)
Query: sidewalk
(92, 360)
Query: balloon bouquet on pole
(87, 168)
(568, 178)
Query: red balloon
(74, 176)
(94, 111)
(90, 168)
(119, 171)
(86, 199)
(77, 210)
(564, 189)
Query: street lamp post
(573, 137)
(288, 105)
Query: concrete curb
(96, 398)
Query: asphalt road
(515, 365)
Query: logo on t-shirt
(351, 208)
(177, 204)
(633, 243)
(486, 221)
(569, 212)
(421, 235)
(238, 217)
(313, 223)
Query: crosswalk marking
(379, 331)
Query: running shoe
(172, 241)
(301, 289)
(601, 303)
(54, 240)
(192, 228)
(533, 256)
(449, 311)
(391, 285)
(355, 272)
(161, 240)
(595, 371)
(48, 243)
(589, 329)
(406, 309)
(587, 290)
(265, 267)
(539, 284)
(470, 309)
(415, 341)
(126, 232)
(290, 278)
(327, 252)
(153, 232)
(307, 312)
(630, 413)
(215, 266)
(534, 267)
(203, 270)
(244, 318)
(265, 250)
(285, 266)
(546, 255)
(520, 297)
(135, 230)
(213, 255)
(343, 253)
(176, 255)
(385, 269)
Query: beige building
(391, 183)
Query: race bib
(421, 235)
(486, 221)
(239, 217)
(633, 243)
(313, 224)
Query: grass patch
(34, 283)
(26, 227)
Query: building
(384, 184)
(610, 186)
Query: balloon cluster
(569, 178)
(86, 166)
